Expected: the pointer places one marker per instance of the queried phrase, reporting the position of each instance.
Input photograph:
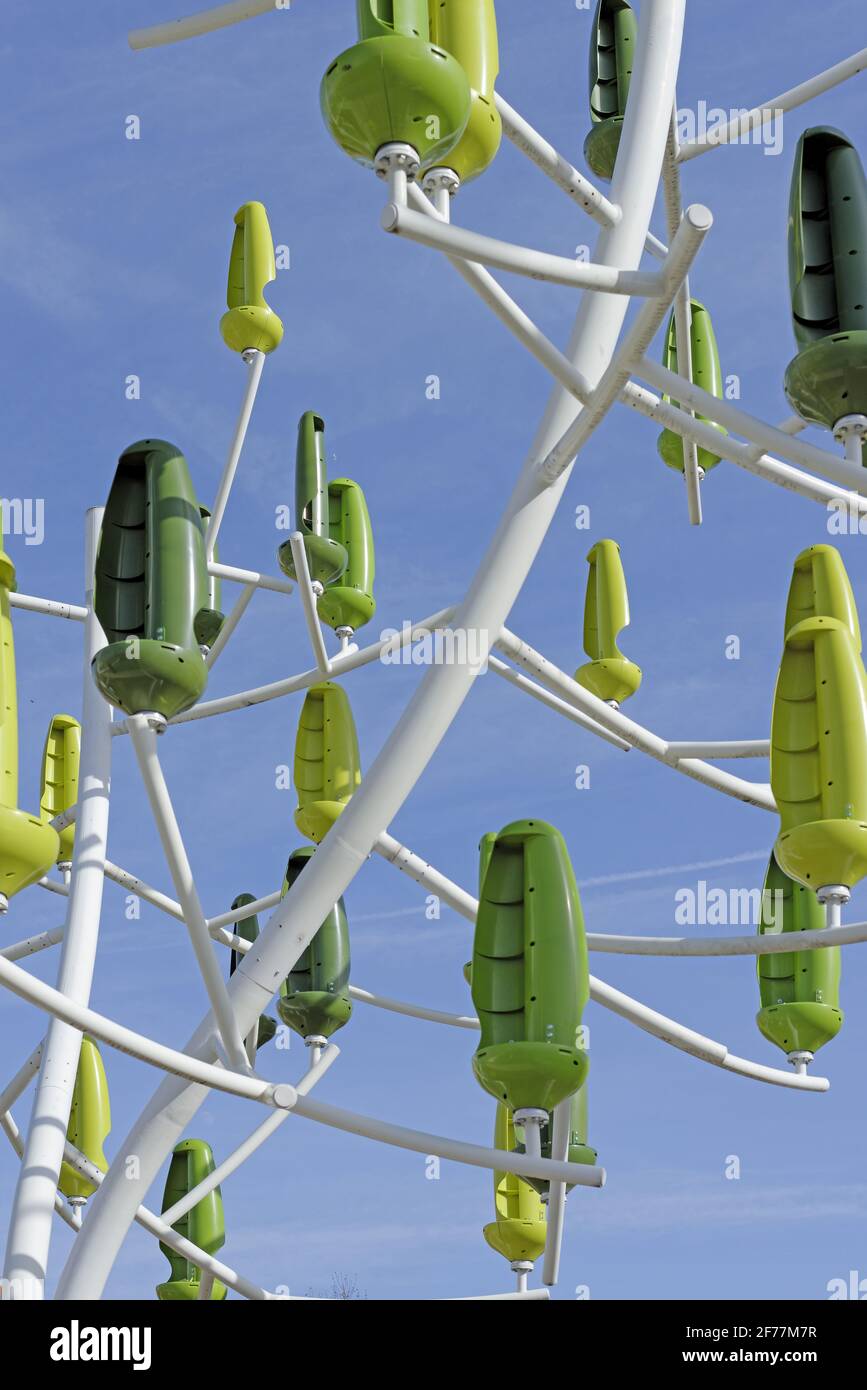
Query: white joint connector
(282, 1096)
(441, 185)
(850, 431)
(398, 163)
(833, 896)
(154, 720)
(531, 1119)
(800, 1061)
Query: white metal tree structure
(592, 375)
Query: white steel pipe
(236, 575)
(797, 451)
(426, 875)
(85, 1020)
(682, 316)
(510, 313)
(560, 1134)
(22, 1078)
(443, 689)
(29, 1233)
(308, 603)
(637, 397)
(663, 413)
(400, 1006)
(139, 889)
(231, 622)
(72, 1218)
(743, 124)
(588, 197)
(53, 608)
(340, 665)
(745, 456)
(254, 1141)
(756, 1071)
(538, 692)
(689, 448)
(574, 184)
(520, 260)
(237, 914)
(51, 886)
(456, 1150)
(157, 1226)
(30, 945)
(144, 739)
(550, 676)
(137, 886)
(821, 938)
(688, 238)
(204, 22)
(722, 749)
(255, 361)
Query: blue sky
(113, 256)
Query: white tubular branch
(32, 944)
(722, 749)
(638, 398)
(165, 904)
(557, 1193)
(144, 742)
(237, 914)
(232, 620)
(72, 1219)
(682, 317)
(400, 1006)
(745, 456)
(22, 1079)
(520, 260)
(724, 412)
(588, 197)
(85, 1020)
(157, 1226)
(308, 603)
(255, 361)
(753, 793)
(236, 575)
(685, 246)
(418, 1141)
(423, 873)
(687, 1040)
(770, 944)
(340, 665)
(286, 1097)
(30, 1223)
(53, 608)
(204, 22)
(786, 101)
(52, 886)
(253, 1141)
(510, 314)
(139, 889)
(522, 682)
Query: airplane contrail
(668, 869)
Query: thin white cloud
(667, 870)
